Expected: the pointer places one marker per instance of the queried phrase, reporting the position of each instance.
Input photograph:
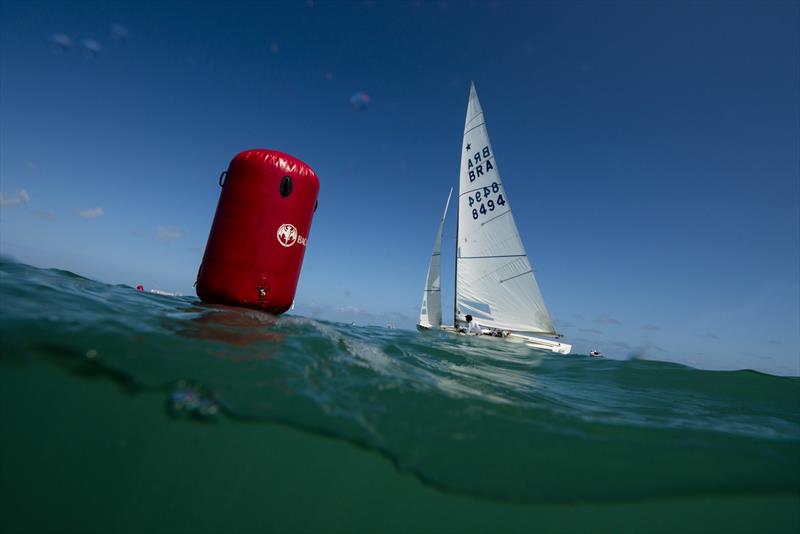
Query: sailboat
(430, 314)
(494, 280)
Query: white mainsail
(494, 279)
(430, 314)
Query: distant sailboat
(494, 278)
(430, 314)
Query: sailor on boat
(496, 332)
(472, 327)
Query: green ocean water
(127, 412)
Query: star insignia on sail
(468, 146)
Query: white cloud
(168, 233)
(91, 213)
(22, 197)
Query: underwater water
(131, 411)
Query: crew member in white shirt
(473, 327)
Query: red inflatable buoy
(260, 232)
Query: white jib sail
(494, 279)
(430, 314)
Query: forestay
(494, 279)
(430, 315)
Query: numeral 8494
(487, 205)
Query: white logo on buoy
(287, 235)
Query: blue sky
(650, 151)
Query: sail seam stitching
(479, 188)
(473, 118)
(478, 126)
(516, 276)
(495, 217)
(483, 257)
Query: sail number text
(483, 204)
(479, 164)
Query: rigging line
(517, 276)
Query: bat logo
(287, 235)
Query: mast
(455, 277)
(458, 220)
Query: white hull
(530, 341)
